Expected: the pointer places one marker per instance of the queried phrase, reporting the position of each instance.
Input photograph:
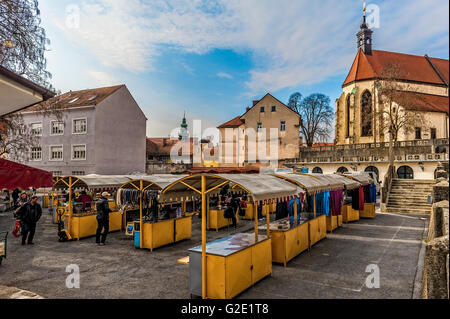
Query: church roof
(424, 102)
(416, 68)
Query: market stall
(289, 239)
(78, 219)
(226, 267)
(162, 220)
(364, 199)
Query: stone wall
(166, 168)
(435, 281)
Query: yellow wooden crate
(317, 229)
(288, 244)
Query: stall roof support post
(141, 224)
(268, 218)
(69, 226)
(255, 215)
(295, 211)
(203, 237)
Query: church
(421, 82)
(386, 95)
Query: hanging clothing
(367, 195)
(373, 193)
(336, 198)
(355, 198)
(361, 198)
(291, 211)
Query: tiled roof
(424, 102)
(236, 122)
(416, 68)
(161, 146)
(76, 98)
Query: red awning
(13, 175)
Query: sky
(211, 58)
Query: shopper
(29, 214)
(102, 219)
(15, 196)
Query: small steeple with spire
(183, 131)
(364, 36)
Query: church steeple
(183, 131)
(364, 36)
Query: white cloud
(188, 68)
(224, 75)
(103, 78)
(292, 42)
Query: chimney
(255, 102)
(164, 142)
(247, 109)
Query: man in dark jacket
(29, 214)
(102, 219)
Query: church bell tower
(364, 37)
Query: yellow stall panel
(163, 233)
(183, 228)
(261, 260)
(215, 274)
(368, 212)
(349, 214)
(238, 272)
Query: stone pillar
(440, 191)
(436, 278)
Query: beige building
(267, 131)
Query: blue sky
(212, 58)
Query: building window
(342, 169)
(78, 173)
(317, 170)
(259, 127)
(56, 153)
(57, 128)
(36, 153)
(36, 129)
(78, 152)
(366, 114)
(433, 133)
(347, 122)
(283, 126)
(261, 109)
(405, 172)
(418, 133)
(274, 108)
(79, 126)
(57, 173)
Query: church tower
(364, 36)
(184, 134)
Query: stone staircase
(410, 196)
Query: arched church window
(347, 117)
(366, 114)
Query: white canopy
(310, 183)
(258, 186)
(362, 177)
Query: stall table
(288, 242)
(233, 264)
(216, 220)
(317, 229)
(349, 214)
(162, 232)
(368, 212)
(333, 222)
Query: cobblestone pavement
(333, 268)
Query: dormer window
(73, 100)
(92, 97)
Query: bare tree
(23, 41)
(22, 48)
(294, 102)
(316, 118)
(397, 113)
